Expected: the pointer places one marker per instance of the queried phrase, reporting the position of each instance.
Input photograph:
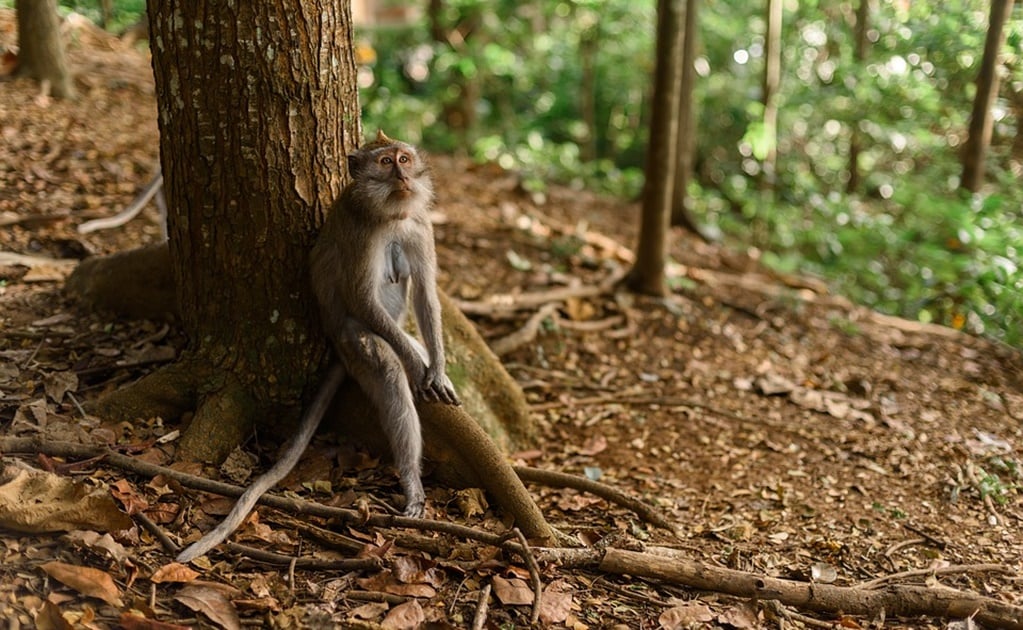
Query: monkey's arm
(436, 386)
(269, 479)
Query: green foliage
(125, 12)
(925, 254)
(559, 90)
(906, 241)
(528, 104)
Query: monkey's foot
(414, 509)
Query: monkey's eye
(386, 160)
(404, 159)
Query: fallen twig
(553, 479)
(949, 570)
(524, 301)
(534, 574)
(898, 600)
(482, 604)
(270, 557)
(526, 334)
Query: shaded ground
(785, 431)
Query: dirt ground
(785, 431)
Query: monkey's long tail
(278, 471)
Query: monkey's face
(393, 177)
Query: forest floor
(785, 431)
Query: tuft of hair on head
(382, 140)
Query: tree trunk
(40, 48)
(772, 78)
(987, 91)
(686, 143)
(106, 13)
(459, 113)
(859, 55)
(589, 47)
(647, 274)
(257, 109)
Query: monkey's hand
(437, 387)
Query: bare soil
(786, 431)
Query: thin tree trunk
(859, 55)
(257, 108)
(987, 91)
(588, 49)
(106, 13)
(647, 274)
(772, 78)
(686, 144)
(40, 48)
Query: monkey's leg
(278, 471)
(379, 372)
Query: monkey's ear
(382, 137)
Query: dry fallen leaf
(212, 602)
(57, 384)
(86, 580)
(174, 572)
(472, 502)
(134, 621)
(741, 617)
(513, 592)
(49, 617)
(556, 603)
(100, 543)
(35, 501)
(408, 615)
(411, 590)
(685, 616)
(371, 610)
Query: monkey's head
(391, 176)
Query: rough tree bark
(257, 108)
(40, 48)
(987, 91)
(647, 274)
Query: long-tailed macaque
(375, 245)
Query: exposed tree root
(167, 393)
(223, 420)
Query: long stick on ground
(896, 600)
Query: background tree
(769, 93)
(686, 143)
(859, 54)
(40, 48)
(647, 274)
(983, 101)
